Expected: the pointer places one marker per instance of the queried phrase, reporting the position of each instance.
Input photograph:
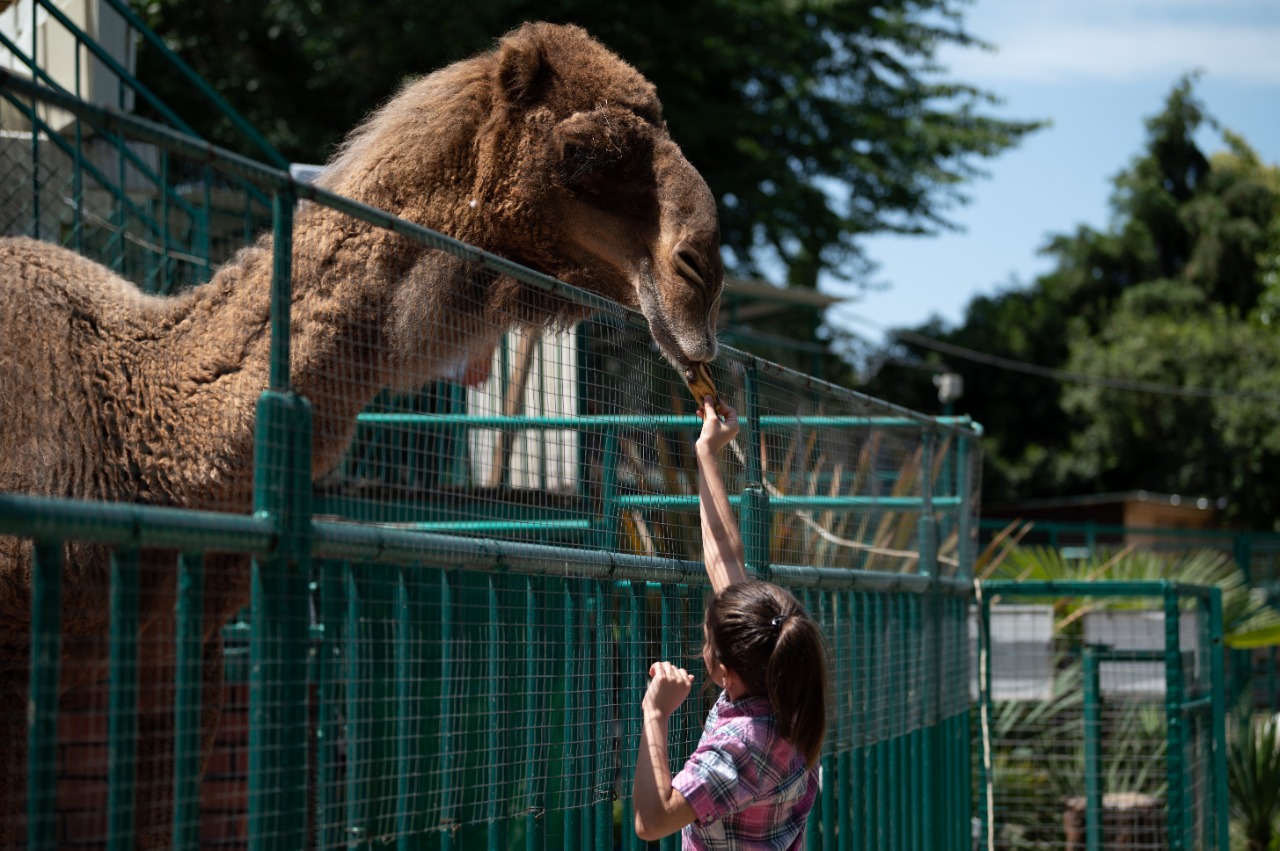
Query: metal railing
(447, 690)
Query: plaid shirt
(750, 789)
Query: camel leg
(155, 747)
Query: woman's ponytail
(762, 633)
(796, 680)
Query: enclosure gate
(446, 691)
(1126, 746)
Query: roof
(1202, 503)
(745, 300)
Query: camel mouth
(698, 380)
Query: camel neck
(338, 356)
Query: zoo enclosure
(1101, 719)
(472, 672)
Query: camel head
(550, 151)
(588, 187)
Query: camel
(548, 150)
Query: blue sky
(1096, 69)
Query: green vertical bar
(1221, 800)
(669, 618)
(754, 508)
(858, 718)
(828, 797)
(282, 207)
(896, 718)
(166, 239)
(871, 726)
(121, 213)
(607, 532)
(571, 743)
(844, 767)
(77, 194)
(1092, 750)
(636, 661)
(590, 691)
(493, 745)
(605, 789)
(35, 130)
(533, 723)
(187, 688)
(122, 721)
(329, 819)
(448, 785)
(411, 774)
(42, 707)
(880, 685)
(984, 716)
(921, 769)
(1176, 803)
(959, 625)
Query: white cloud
(1122, 40)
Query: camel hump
(36, 274)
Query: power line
(1062, 374)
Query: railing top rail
(1096, 588)
(123, 524)
(280, 181)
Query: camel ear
(522, 67)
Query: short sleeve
(719, 778)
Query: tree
(1178, 292)
(814, 121)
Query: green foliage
(1182, 290)
(813, 121)
(1253, 780)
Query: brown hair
(763, 634)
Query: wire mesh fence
(1102, 718)
(390, 565)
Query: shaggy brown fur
(548, 150)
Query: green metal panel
(122, 731)
(188, 681)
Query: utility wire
(1061, 374)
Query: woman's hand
(668, 688)
(716, 434)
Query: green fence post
(533, 715)
(1221, 800)
(1176, 804)
(188, 687)
(329, 816)
(928, 780)
(607, 528)
(411, 774)
(122, 720)
(42, 706)
(279, 643)
(605, 738)
(449, 796)
(985, 804)
(1092, 749)
(496, 721)
(754, 508)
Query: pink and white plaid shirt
(750, 789)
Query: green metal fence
(162, 222)
(1101, 719)
(449, 629)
